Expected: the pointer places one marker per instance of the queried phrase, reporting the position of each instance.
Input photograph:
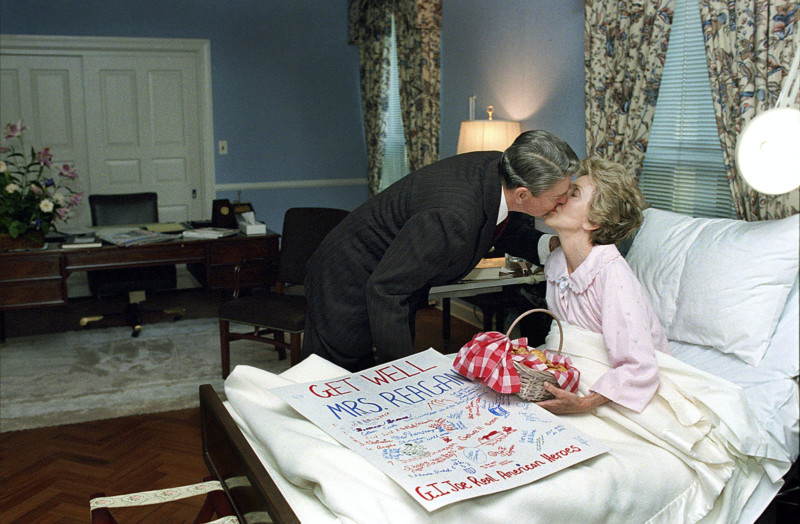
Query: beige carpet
(76, 376)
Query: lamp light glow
(768, 149)
(487, 135)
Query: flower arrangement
(31, 199)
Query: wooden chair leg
(206, 512)
(221, 504)
(280, 335)
(295, 349)
(101, 515)
(225, 347)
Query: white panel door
(144, 128)
(46, 92)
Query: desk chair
(274, 314)
(126, 209)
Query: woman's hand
(566, 402)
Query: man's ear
(520, 194)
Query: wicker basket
(532, 380)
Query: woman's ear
(589, 226)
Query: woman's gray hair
(537, 160)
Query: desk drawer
(31, 279)
(261, 252)
(26, 266)
(138, 256)
(29, 293)
(261, 273)
(243, 248)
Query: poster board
(440, 436)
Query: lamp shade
(768, 151)
(487, 135)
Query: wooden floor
(48, 475)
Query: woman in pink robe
(590, 285)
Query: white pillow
(783, 352)
(657, 257)
(735, 281)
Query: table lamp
(487, 135)
(768, 149)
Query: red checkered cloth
(488, 357)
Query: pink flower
(66, 170)
(62, 213)
(14, 130)
(76, 199)
(44, 157)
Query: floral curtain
(749, 48)
(371, 31)
(625, 44)
(418, 27)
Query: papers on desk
(494, 268)
(166, 227)
(487, 269)
(132, 237)
(486, 273)
(209, 232)
(80, 242)
(496, 262)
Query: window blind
(683, 169)
(395, 161)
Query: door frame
(47, 45)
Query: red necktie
(499, 229)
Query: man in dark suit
(372, 273)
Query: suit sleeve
(430, 246)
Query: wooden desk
(39, 278)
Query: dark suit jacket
(373, 271)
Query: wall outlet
(223, 147)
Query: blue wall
(524, 57)
(286, 64)
(275, 64)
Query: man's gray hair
(537, 160)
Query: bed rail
(230, 458)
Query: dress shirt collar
(502, 213)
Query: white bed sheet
(313, 467)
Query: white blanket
(668, 464)
(703, 420)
